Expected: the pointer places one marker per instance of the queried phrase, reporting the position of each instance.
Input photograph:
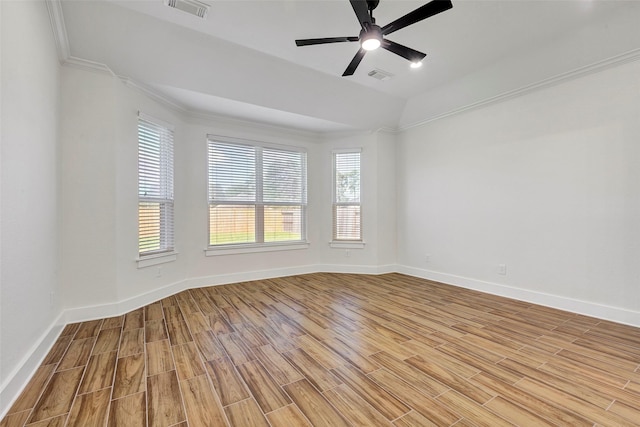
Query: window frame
(166, 188)
(345, 243)
(259, 245)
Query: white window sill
(246, 249)
(346, 245)
(155, 259)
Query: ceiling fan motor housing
(371, 31)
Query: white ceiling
(242, 60)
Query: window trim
(344, 243)
(169, 253)
(249, 247)
(156, 258)
(245, 248)
(347, 244)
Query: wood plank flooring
(337, 350)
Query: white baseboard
(355, 269)
(605, 312)
(100, 311)
(245, 276)
(18, 379)
(83, 314)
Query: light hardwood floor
(337, 350)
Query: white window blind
(256, 194)
(155, 186)
(347, 215)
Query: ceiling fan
(372, 36)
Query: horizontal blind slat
(256, 194)
(231, 172)
(347, 215)
(283, 178)
(155, 187)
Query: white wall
(29, 246)
(129, 280)
(202, 269)
(99, 193)
(547, 183)
(99, 199)
(386, 199)
(87, 187)
(377, 204)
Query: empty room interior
(320, 213)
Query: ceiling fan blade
(361, 9)
(432, 8)
(354, 63)
(309, 42)
(406, 52)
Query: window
(257, 194)
(155, 186)
(347, 221)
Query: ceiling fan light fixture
(416, 64)
(372, 38)
(370, 44)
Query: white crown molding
(335, 135)
(154, 95)
(388, 130)
(85, 64)
(235, 121)
(56, 16)
(630, 56)
(59, 29)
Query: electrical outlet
(347, 253)
(52, 299)
(159, 272)
(502, 269)
(427, 258)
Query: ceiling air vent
(193, 7)
(380, 74)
